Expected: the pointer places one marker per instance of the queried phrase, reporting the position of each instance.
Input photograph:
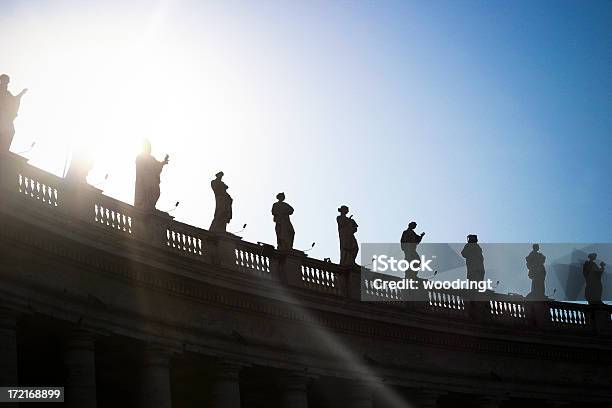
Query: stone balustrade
(26, 186)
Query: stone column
(8, 348)
(557, 404)
(424, 399)
(294, 392)
(226, 385)
(80, 364)
(360, 395)
(8, 351)
(155, 378)
(487, 402)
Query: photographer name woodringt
(414, 284)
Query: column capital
(296, 380)
(425, 398)
(157, 355)
(360, 393)
(80, 338)
(488, 401)
(229, 369)
(558, 404)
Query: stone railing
(379, 294)
(569, 315)
(113, 214)
(254, 259)
(186, 239)
(510, 311)
(28, 187)
(38, 185)
(449, 303)
(325, 277)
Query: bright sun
(105, 89)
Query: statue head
(472, 239)
(592, 256)
(280, 196)
(4, 79)
(343, 209)
(412, 225)
(536, 247)
(219, 175)
(146, 146)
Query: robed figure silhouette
(347, 227)
(537, 272)
(223, 204)
(9, 107)
(148, 172)
(281, 212)
(409, 241)
(80, 166)
(592, 275)
(474, 260)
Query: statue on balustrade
(592, 275)
(148, 172)
(347, 227)
(474, 260)
(537, 272)
(80, 166)
(223, 204)
(281, 211)
(409, 241)
(9, 107)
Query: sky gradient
(492, 118)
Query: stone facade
(127, 308)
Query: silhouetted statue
(223, 204)
(537, 272)
(9, 107)
(347, 227)
(409, 241)
(148, 171)
(80, 166)
(592, 275)
(285, 233)
(474, 261)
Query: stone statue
(347, 227)
(592, 275)
(285, 233)
(148, 171)
(474, 260)
(9, 107)
(537, 272)
(80, 166)
(409, 241)
(223, 204)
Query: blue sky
(468, 117)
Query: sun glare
(104, 91)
